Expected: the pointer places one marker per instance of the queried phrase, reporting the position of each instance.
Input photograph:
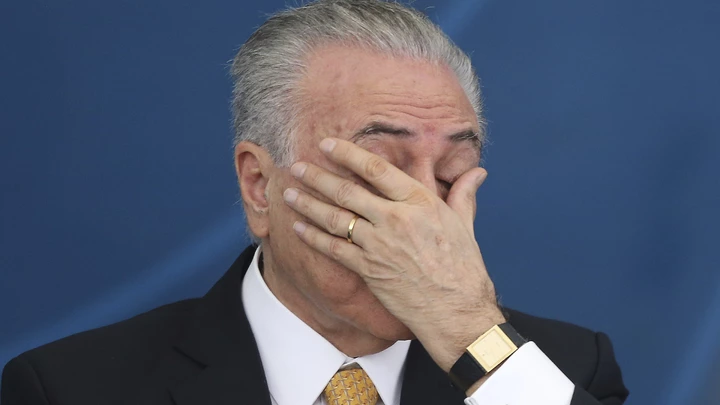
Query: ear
(253, 165)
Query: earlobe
(252, 165)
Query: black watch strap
(467, 370)
(512, 334)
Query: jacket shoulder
(586, 357)
(145, 330)
(547, 330)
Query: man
(358, 137)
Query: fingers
(337, 249)
(462, 196)
(388, 179)
(334, 220)
(343, 192)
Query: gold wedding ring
(351, 227)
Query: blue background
(601, 208)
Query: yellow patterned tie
(351, 387)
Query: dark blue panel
(601, 207)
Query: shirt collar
(299, 362)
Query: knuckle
(335, 248)
(375, 167)
(332, 220)
(470, 199)
(418, 196)
(344, 192)
(312, 176)
(302, 202)
(344, 153)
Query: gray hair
(266, 103)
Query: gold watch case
(492, 348)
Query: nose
(424, 172)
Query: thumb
(461, 197)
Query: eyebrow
(379, 127)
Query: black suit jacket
(202, 351)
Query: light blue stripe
(457, 17)
(227, 235)
(704, 347)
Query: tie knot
(351, 387)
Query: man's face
(403, 110)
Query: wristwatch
(484, 355)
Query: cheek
(313, 272)
(281, 215)
(320, 279)
(334, 282)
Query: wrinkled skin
(397, 151)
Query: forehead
(354, 84)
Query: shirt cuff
(527, 377)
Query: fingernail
(481, 178)
(298, 169)
(299, 227)
(327, 145)
(290, 195)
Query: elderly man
(358, 137)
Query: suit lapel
(424, 382)
(219, 347)
(216, 360)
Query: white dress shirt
(299, 363)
